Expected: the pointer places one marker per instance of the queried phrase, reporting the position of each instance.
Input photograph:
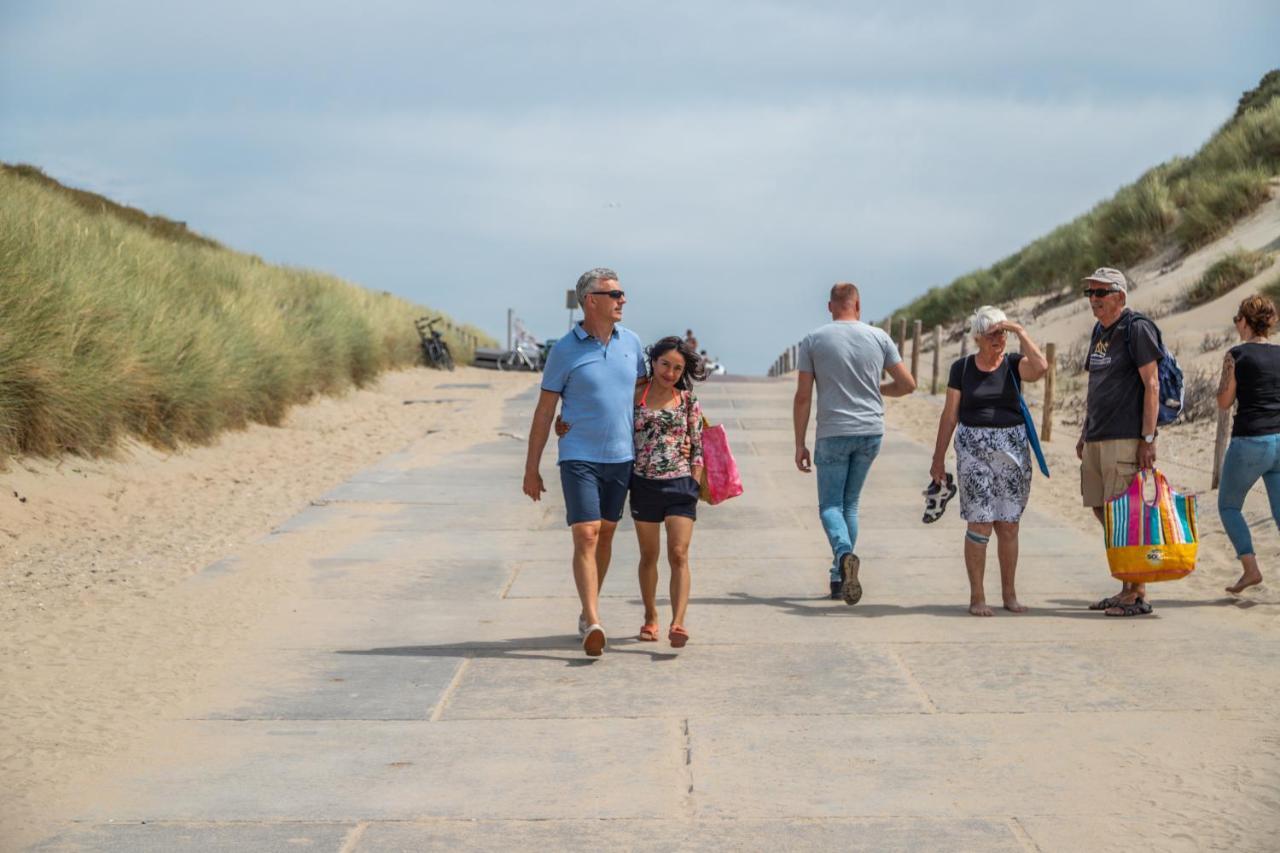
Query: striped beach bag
(1149, 542)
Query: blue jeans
(1248, 458)
(842, 462)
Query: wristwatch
(1150, 439)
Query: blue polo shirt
(596, 384)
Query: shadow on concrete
(1158, 602)
(825, 607)
(518, 648)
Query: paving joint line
(921, 693)
(353, 837)
(511, 581)
(690, 807)
(1024, 838)
(438, 711)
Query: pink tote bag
(720, 479)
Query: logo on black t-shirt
(1099, 358)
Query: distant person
(1250, 376)
(993, 460)
(1121, 407)
(690, 342)
(592, 373)
(664, 480)
(845, 359)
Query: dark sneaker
(837, 585)
(850, 589)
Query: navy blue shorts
(654, 500)
(594, 491)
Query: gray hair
(587, 281)
(984, 318)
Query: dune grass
(115, 326)
(1183, 204)
(1226, 274)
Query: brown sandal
(649, 632)
(678, 636)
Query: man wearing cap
(1121, 407)
(845, 359)
(592, 373)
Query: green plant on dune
(1180, 205)
(113, 326)
(1226, 274)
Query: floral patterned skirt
(993, 466)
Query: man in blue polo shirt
(592, 373)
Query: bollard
(902, 337)
(937, 357)
(915, 350)
(1220, 444)
(1046, 422)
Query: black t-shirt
(1257, 389)
(1114, 407)
(987, 399)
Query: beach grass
(114, 324)
(1226, 274)
(1179, 206)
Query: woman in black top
(1251, 378)
(993, 462)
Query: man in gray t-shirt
(846, 359)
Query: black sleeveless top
(1257, 389)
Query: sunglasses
(612, 294)
(1099, 292)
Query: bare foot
(980, 608)
(1248, 579)
(1012, 605)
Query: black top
(1113, 408)
(987, 399)
(1257, 389)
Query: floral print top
(661, 436)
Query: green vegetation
(114, 324)
(1271, 289)
(1226, 274)
(1183, 204)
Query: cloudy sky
(730, 158)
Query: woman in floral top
(664, 481)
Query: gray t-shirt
(847, 358)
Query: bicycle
(435, 350)
(520, 358)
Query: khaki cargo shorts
(1107, 469)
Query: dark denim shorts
(594, 491)
(654, 500)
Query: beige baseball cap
(1109, 276)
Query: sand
(101, 638)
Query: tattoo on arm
(1228, 373)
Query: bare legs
(679, 535)
(592, 551)
(975, 563)
(1129, 592)
(1252, 575)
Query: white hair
(587, 281)
(984, 318)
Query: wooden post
(1220, 445)
(937, 357)
(902, 337)
(964, 344)
(915, 350)
(1046, 421)
(888, 330)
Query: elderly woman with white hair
(993, 461)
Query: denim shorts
(594, 491)
(654, 500)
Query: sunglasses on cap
(612, 294)
(1099, 292)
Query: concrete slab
(332, 686)
(343, 771)
(645, 679)
(942, 765)
(202, 838)
(888, 835)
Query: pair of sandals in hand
(936, 498)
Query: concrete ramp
(427, 691)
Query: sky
(731, 159)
